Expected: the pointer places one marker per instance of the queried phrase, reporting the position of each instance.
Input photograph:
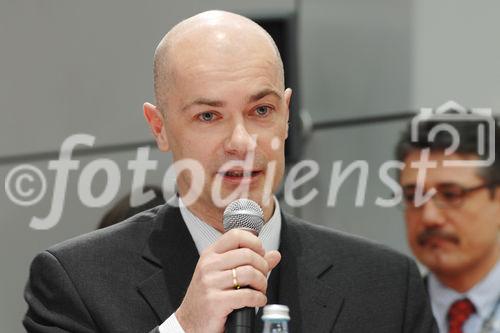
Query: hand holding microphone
(212, 294)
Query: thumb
(273, 258)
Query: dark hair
(122, 209)
(468, 133)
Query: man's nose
(240, 141)
(432, 214)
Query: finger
(273, 258)
(246, 276)
(246, 297)
(237, 238)
(241, 257)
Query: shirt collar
(204, 234)
(483, 295)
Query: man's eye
(451, 195)
(206, 116)
(409, 197)
(263, 110)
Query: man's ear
(288, 97)
(156, 122)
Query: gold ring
(236, 285)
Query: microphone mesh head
(243, 214)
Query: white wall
(457, 54)
(356, 61)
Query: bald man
(222, 111)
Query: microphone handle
(241, 321)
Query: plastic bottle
(276, 318)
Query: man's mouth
(239, 177)
(240, 173)
(436, 236)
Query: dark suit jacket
(132, 276)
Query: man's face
(458, 239)
(224, 108)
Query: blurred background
(86, 67)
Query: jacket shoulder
(347, 247)
(126, 236)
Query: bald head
(212, 37)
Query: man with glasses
(456, 232)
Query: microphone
(247, 215)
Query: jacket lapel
(314, 305)
(171, 249)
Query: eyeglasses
(448, 195)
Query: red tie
(458, 314)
